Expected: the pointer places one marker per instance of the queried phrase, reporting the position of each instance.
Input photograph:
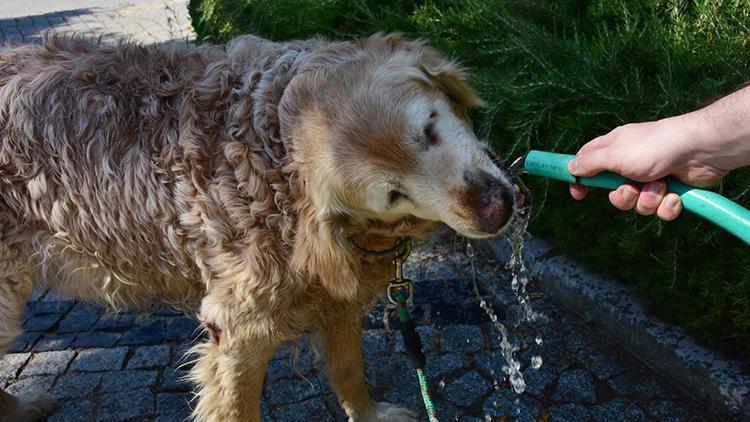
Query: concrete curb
(668, 349)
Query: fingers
(578, 192)
(652, 199)
(593, 157)
(670, 208)
(591, 162)
(624, 197)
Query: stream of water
(519, 280)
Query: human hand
(647, 152)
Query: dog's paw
(32, 407)
(383, 411)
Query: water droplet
(538, 340)
(536, 362)
(442, 384)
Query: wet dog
(235, 181)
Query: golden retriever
(234, 180)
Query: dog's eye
(394, 196)
(430, 135)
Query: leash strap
(413, 346)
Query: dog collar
(400, 248)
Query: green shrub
(556, 74)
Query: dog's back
(89, 150)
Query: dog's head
(390, 139)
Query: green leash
(413, 346)
(400, 292)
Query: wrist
(721, 133)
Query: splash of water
(536, 362)
(517, 267)
(512, 367)
(520, 278)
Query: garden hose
(707, 204)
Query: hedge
(556, 74)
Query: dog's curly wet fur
(229, 181)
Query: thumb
(590, 163)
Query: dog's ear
(320, 251)
(449, 77)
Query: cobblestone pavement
(138, 20)
(129, 367)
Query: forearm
(722, 130)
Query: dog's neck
(377, 235)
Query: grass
(556, 74)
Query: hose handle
(705, 203)
(555, 166)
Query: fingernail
(672, 202)
(653, 187)
(573, 165)
(628, 194)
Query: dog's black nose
(494, 200)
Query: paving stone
(284, 392)
(428, 335)
(73, 411)
(114, 323)
(313, 410)
(76, 385)
(601, 364)
(438, 367)
(537, 380)
(146, 333)
(289, 368)
(617, 409)
(181, 356)
(48, 363)
(467, 389)
(10, 364)
(575, 386)
(174, 379)
(166, 310)
(53, 296)
(93, 360)
(506, 403)
(388, 370)
(374, 342)
(173, 404)
(668, 411)
(125, 405)
(180, 418)
(53, 342)
(38, 292)
(461, 338)
(24, 342)
(43, 308)
(81, 318)
(182, 328)
(570, 412)
(34, 384)
(128, 380)
(638, 386)
(41, 322)
(491, 363)
(150, 357)
(93, 339)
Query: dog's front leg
(342, 338)
(229, 374)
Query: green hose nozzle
(707, 204)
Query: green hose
(704, 203)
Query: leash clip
(400, 284)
